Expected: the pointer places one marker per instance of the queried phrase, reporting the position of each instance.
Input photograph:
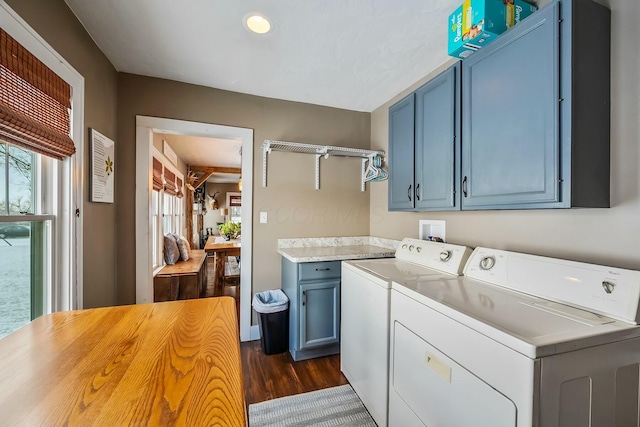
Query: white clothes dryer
(365, 291)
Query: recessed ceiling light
(257, 23)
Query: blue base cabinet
(424, 146)
(313, 289)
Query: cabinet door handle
(418, 192)
(464, 186)
(409, 192)
(323, 269)
(304, 297)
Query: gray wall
(605, 236)
(53, 20)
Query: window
(167, 205)
(167, 214)
(234, 201)
(41, 123)
(24, 244)
(156, 228)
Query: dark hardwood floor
(211, 291)
(271, 376)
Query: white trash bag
(272, 301)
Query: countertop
(336, 248)
(170, 363)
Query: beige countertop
(336, 249)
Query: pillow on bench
(171, 251)
(183, 247)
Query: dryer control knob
(608, 286)
(411, 247)
(404, 246)
(419, 249)
(445, 256)
(487, 263)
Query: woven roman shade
(170, 183)
(179, 190)
(157, 175)
(34, 102)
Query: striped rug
(335, 406)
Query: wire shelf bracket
(318, 151)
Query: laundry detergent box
(517, 10)
(474, 24)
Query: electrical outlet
(263, 217)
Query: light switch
(263, 217)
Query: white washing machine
(521, 340)
(364, 331)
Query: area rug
(335, 406)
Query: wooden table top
(219, 244)
(164, 364)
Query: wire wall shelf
(319, 151)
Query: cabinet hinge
(560, 99)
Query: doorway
(145, 128)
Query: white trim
(145, 127)
(255, 333)
(71, 173)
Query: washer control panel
(439, 256)
(608, 291)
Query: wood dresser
(163, 364)
(182, 280)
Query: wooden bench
(182, 280)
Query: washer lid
(390, 269)
(529, 325)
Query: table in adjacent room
(221, 249)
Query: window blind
(157, 175)
(34, 102)
(170, 183)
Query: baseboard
(255, 332)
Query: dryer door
(430, 387)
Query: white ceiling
(198, 151)
(352, 54)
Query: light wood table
(163, 364)
(221, 249)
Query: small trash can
(273, 317)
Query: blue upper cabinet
(535, 124)
(424, 146)
(437, 147)
(401, 138)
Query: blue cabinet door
(437, 151)
(401, 160)
(319, 313)
(510, 123)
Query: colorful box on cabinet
(517, 11)
(474, 24)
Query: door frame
(145, 128)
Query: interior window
(235, 211)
